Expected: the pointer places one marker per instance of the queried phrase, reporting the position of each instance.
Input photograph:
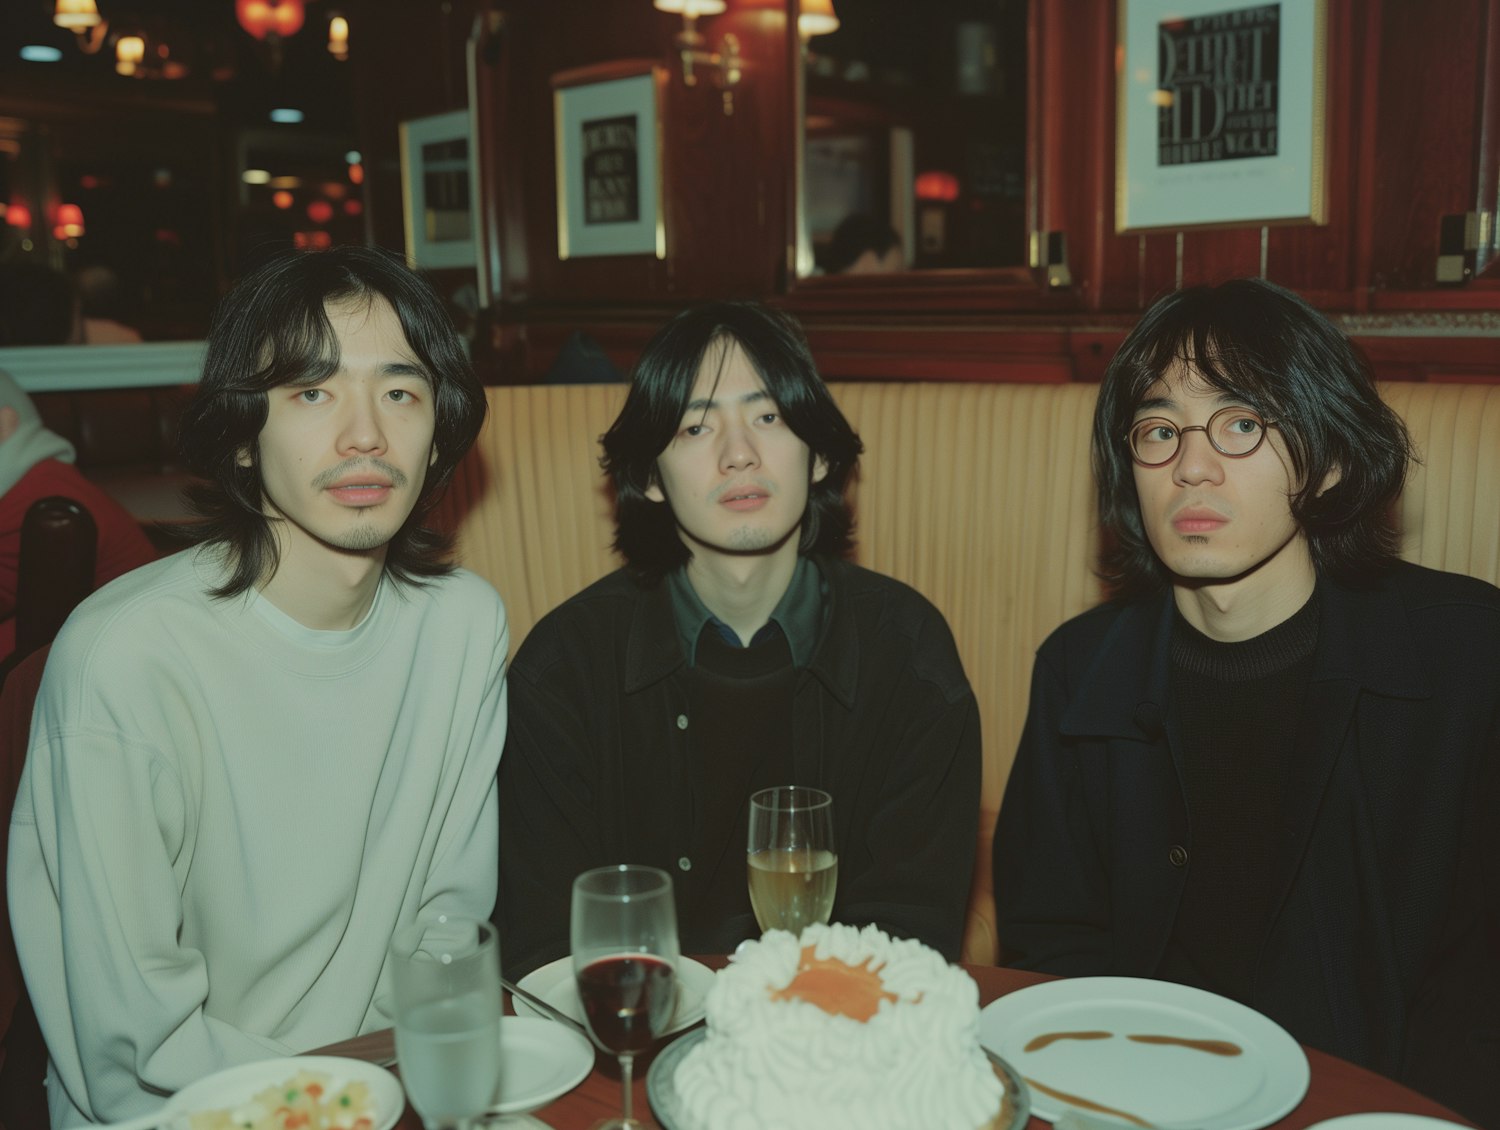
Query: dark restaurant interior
(941, 194)
(1000, 169)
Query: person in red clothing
(36, 463)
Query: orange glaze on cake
(836, 987)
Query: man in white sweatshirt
(252, 761)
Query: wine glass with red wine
(624, 935)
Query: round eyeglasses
(1234, 431)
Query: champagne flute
(446, 978)
(790, 859)
(624, 938)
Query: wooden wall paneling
(1488, 264)
(1320, 258)
(1434, 356)
(727, 174)
(724, 175)
(1431, 62)
(1362, 247)
(502, 118)
(923, 352)
(1057, 92)
(1115, 273)
(1139, 267)
(1210, 257)
(564, 37)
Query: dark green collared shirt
(798, 615)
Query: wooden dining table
(1337, 1087)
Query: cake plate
(661, 1087)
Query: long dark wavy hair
(1269, 349)
(660, 389)
(272, 329)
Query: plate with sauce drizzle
(1150, 1054)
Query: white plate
(554, 983)
(224, 1090)
(1386, 1121)
(1166, 1086)
(539, 1060)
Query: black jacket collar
(654, 649)
(1123, 697)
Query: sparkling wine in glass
(624, 938)
(446, 978)
(791, 862)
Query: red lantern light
(937, 186)
(69, 222)
(353, 207)
(18, 216)
(282, 199)
(320, 211)
(263, 18)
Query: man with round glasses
(1270, 767)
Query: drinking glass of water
(624, 937)
(446, 978)
(792, 866)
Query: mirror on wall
(914, 138)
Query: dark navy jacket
(1384, 943)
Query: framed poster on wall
(1220, 113)
(609, 169)
(437, 191)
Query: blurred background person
(101, 307)
(863, 245)
(36, 463)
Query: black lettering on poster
(1218, 86)
(611, 171)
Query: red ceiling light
(69, 222)
(937, 186)
(270, 18)
(18, 216)
(320, 211)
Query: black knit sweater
(1236, 707)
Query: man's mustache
(328, 478)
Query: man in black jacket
(737, 650)
(1269, 769)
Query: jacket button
(1177, 856)
(684, 864)
(682, 721)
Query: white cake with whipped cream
(840, 1027)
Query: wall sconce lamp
(130, 52)
(692, 46)
(82, 18)
(338, 38)
(816, 17)
(76, 15)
